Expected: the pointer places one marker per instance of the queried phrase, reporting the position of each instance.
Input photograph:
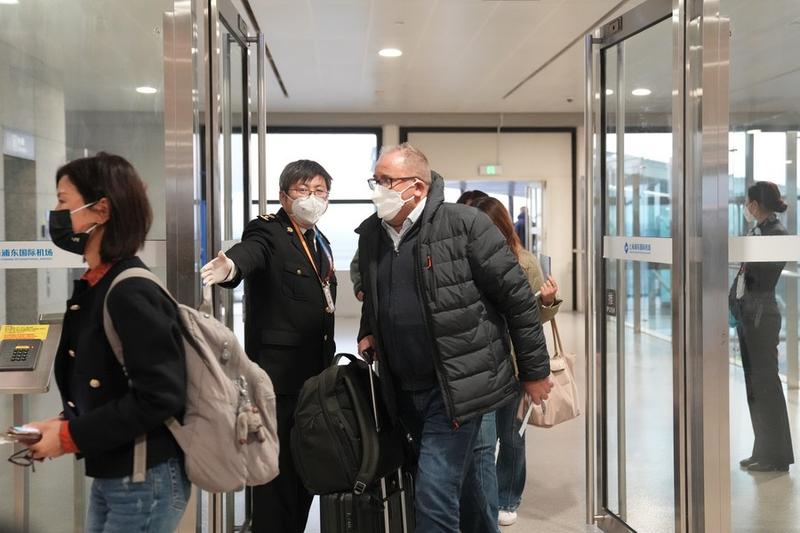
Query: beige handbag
(562, 403)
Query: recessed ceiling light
(390, 52)
(146, 90)
(641, 91)
(609, 92)
(9, 2)
(754, 131)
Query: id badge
(739, 286)
(326, 290)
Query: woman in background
(504, 481)
(758, 324)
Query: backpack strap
(140, 448)
(370, 446)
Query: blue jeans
(445, 460)
(120, 506)
(485, 477)
(511, 459)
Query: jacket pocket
(298, 280)
(281, 337)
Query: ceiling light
(390, 52)
(146, 90)
(609, 92)
(753, 131)
(9, 2)
(641, 91)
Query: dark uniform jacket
(105, 415)
(287, 330)
(760, 280)
(477, 300)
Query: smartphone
(545, 261)
(24, 434)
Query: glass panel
(68, 87)
(763, 310)
(349, 158)
(638, 432)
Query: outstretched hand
(217, 270)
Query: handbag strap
(557, 338)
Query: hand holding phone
(25, 435)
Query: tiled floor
(554, 499)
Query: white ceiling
(458, 55)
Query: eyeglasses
(24, 457)
(305, 193)
(387, 182)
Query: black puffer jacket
(475, 295)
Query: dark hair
(502, 219)
(469, 197)
(302, 171)
(130, 215)
(767, 195)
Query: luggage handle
(370, 363)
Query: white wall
(548, 160)
(525, 156)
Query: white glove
(218, 270)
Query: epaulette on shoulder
(269, 217)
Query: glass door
(234, 182)
(638, 425)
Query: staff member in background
(103, 214)
(506, 495)
(444, 299)
(290, 294)
(758, 325)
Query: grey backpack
(229, 432)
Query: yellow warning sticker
(20, 331)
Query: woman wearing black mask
(103, 214)
(758, 324)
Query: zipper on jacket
(437, 357)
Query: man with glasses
(290, 293)
(444, 300)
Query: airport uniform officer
(290, 290)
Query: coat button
(94, 383)
(74, 307)
(71, 353)
(299, 271)
(71, 404)
(325, 337)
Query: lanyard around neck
(307, 250)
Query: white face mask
(748, 216)
(388, 201)
(309, 210)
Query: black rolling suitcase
(387, 506)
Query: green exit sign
(490, 170)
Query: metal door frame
(635, 21)
(700, 125)
(192, 124)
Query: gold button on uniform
(71, 353)
(94, 383)
(74, 307)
